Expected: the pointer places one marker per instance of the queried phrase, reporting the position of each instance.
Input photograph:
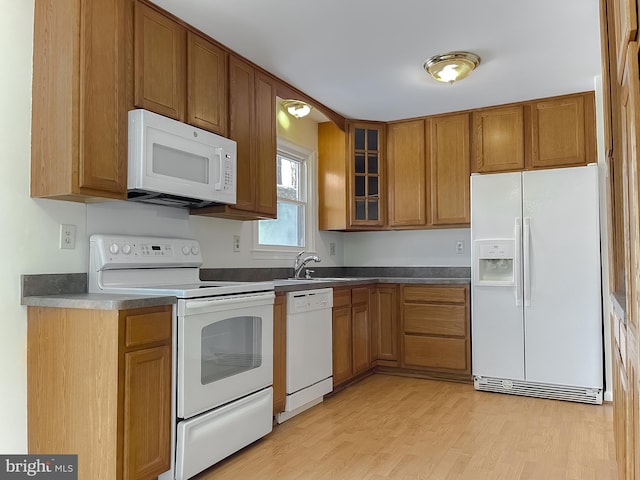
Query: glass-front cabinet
(366, 166)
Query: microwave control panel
(227, 173)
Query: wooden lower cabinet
(385, 325)
(351, 326)
(99, 386)
(279, 353)
(436, 329)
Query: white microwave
(175, 164)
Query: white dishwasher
(309, 350)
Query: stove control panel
(128, 251)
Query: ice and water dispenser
(495, 262)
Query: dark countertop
(97, 301)
(308, 284)
(54, 291)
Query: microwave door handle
(218, 153)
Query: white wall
(30, 227)
(415, 248)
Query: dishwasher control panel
(308, 300)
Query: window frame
(296, 152)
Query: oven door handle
(224, 303)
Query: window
(291, 231)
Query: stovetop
(197, 290)
(155, 266)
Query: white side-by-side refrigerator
(536, 312)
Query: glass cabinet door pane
(372, 163)
(360, 165)
(359, 138)
(372, 140)
(372, 209)
(360, 186)
(373, 186)
(361, 214)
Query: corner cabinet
(366, 175)
(99, 386)
(351, 177)
(79, 109)
(252, 124)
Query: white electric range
(222, 344)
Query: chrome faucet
(300, 262)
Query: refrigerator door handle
(526, 247)
(517, 268)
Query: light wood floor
(397, 428)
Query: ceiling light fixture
(451, 67)
(297, 108)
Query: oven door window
(230, 347)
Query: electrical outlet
(67, 236)
(459, 247)
(332, 248)
(236, 243)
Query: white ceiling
(363, 58)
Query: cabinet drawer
(428, 293)
(147, 328)
(432, 319)
(341, 297)
(359, 295)
(434, 352)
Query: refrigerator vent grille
(540, 390)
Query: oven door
(225, 350)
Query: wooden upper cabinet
(406, 173)
(160, 63)
(206, 85)
(547, 133)
(630, 136)
(79, 111)
(366, 175)
(563, 131)
(332, 177)
(625, 13)
(498, 139)
(241, 127)
(448, 169)
(252, 124)
(265, 134)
